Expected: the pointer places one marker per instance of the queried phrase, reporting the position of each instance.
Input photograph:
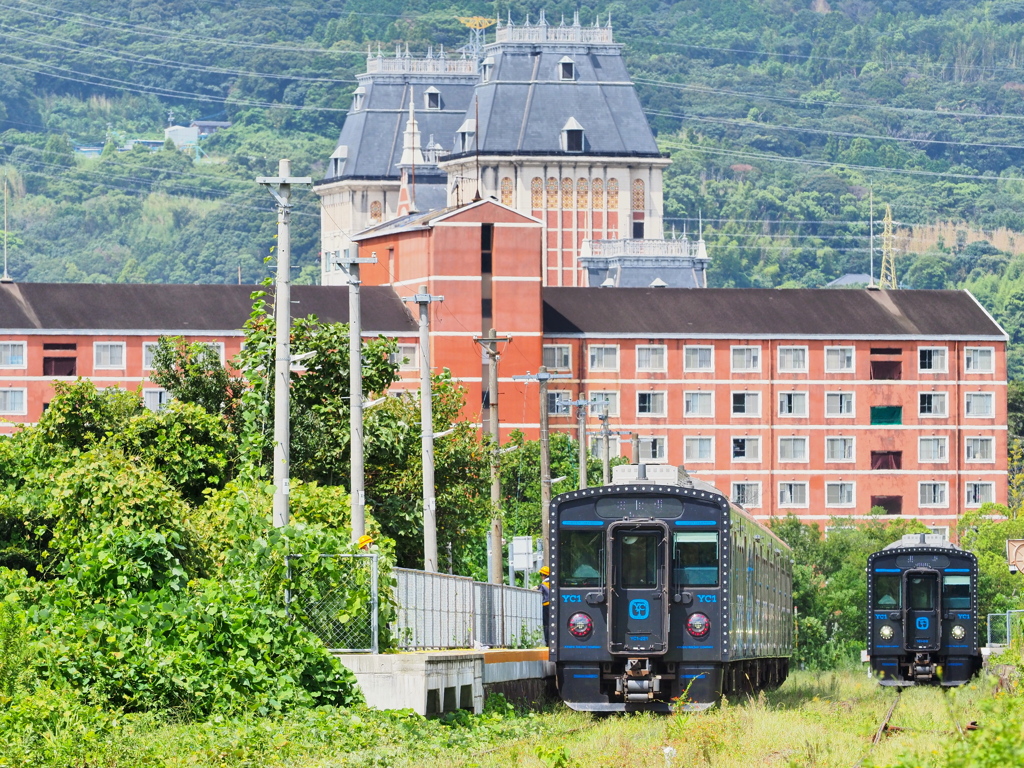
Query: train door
(638, 601)
(922, 627)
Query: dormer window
(338, 158)
(486, 68)
(572, 136)
(566, 69)
(357, 98)
(465, 137)
(432, 98)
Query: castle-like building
(544, 120)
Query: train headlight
(580, 625)
(698, 624)
(886, 632)
(958, 632)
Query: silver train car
(663, 591)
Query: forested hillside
(785, 119)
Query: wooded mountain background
(785, 119)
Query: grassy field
(825, 719)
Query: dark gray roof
(759, 312)
(76, 307)
(525, 105)
(374, 134)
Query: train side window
(581, 561)
(640, 560)
(956, 592)
(887, 591)
(921, 595)
(695, 559)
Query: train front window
(695, 559)
(640, 560)
(956, 592)
(887, 592)
(581, 559)
(921, 593)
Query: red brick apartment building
(817, 402)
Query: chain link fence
(336, 597)
(1005, 628)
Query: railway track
(885, 728)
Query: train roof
(916, 540)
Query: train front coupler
(638, 683)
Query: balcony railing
(628, 247)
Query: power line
(844, 134)
(810, 102)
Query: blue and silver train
(923, 612)
(663, 590)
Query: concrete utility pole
(606, 438)
(357, 474)
(423, 299)
(542, 378)
(581, 432)
(490, 345)
(281, 188)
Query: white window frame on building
(653, 448)
(793, 494)
(597, 447)
(603, 351)
(932, 359)
(108, 346)
(793, 449)
(559, 355)
(358, 98)
(793, 405)
(973, 491)
(486, 69)
(971, 412)
(840, 359)
(748, 397)
(601, 399)
(792, 359)
(752, 358)
(655, 404)
(699, 449)
(692, 358)
(704, 402)
(748, 443)
(933, 449)
(842, 493)
(13, 354)
(747, 494)
(933, 494)
(574, 138)
(980, 449)
(652, 352)
(554, 395)
(148, 352)
(847, 408)
(156, 399)
(933, 400)
(7, 405)
(979, 360)
(407, 357)
(848, 445)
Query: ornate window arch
(506, 191)
(552, 192)
(598, 194)
(639, 197)
(567, 193)
(376, 212)
(613, 193)
(582, 193)
(537, 192)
